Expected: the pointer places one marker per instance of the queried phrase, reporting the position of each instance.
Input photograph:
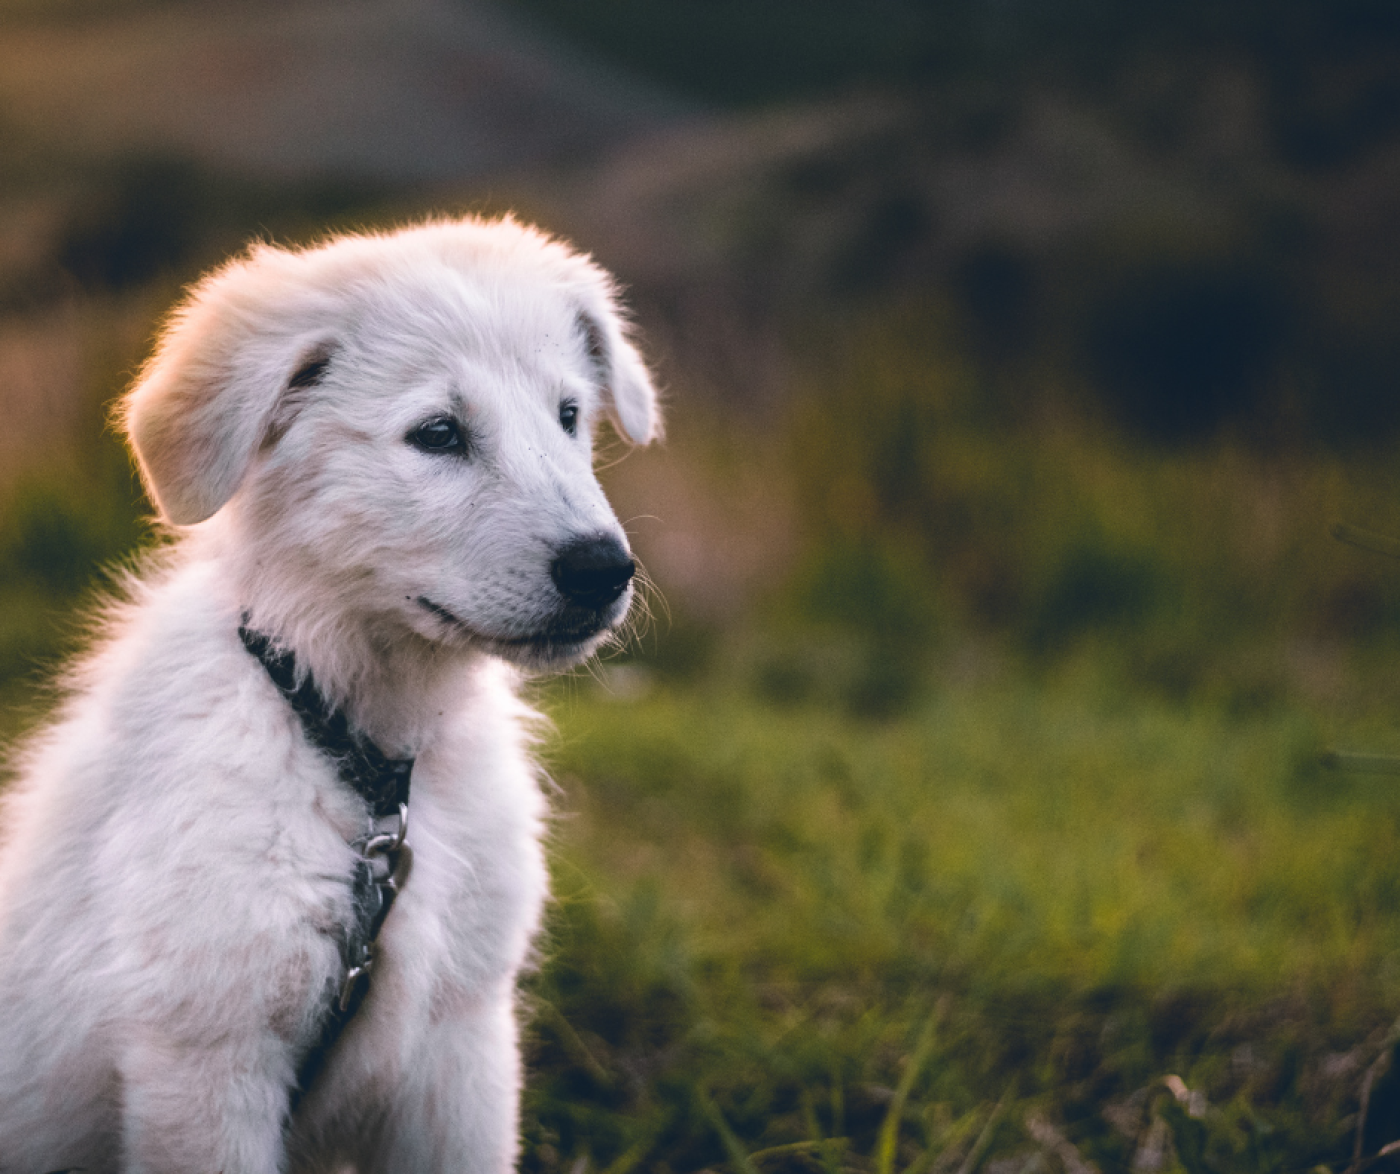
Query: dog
(374, 457)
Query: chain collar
(383, 858)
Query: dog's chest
(471, 895)
(266, 850)
(463, 924)
(472, 899)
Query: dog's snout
(592, 572)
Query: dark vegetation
(987, 828)
(151, 216)
(1186, 309)
(1328, 68)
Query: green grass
(1065, 894)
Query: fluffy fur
(176, 858)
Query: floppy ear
(631, 394)
(205, 399)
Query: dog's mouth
(561, 640)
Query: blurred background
(961, 804)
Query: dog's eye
(568, 417)
(440, 434)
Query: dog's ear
(631, 394)
(206, 399)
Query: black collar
(378, 779)
(383, 860)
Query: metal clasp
(392, 846)
(359, 970)
(352, 980)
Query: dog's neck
(391, 689)
(392, 684)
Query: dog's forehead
(444, 320)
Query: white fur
(175, 858)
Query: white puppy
(376, 456)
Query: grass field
(1026, 910)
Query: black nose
(592, 572)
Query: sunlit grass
(1088, 893)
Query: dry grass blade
(631, 1157)
(818, 1146)
(935, 1161)
(738, 1156)
(888, 1140)
(1374, 1071)
(1366, 539)
(1373, 764)
(1057, 1143)
(829, 1151)
(984, 1139)
(564, 1031)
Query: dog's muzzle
(591, 575)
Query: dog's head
(404, 424)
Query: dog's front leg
(207, 1108)
(457, 1108)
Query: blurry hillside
(1188, 208)
(1175, 222)
(399, 93)
(142, 141)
